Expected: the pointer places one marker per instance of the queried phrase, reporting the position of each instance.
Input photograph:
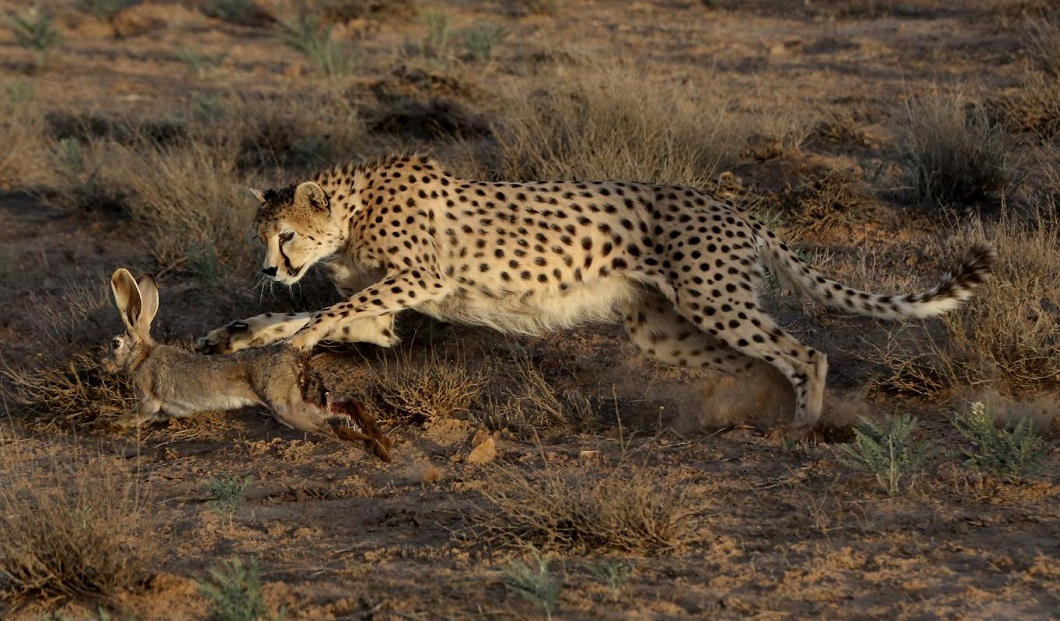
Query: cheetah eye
(286, 236)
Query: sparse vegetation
(428, 391)
(480, 40)
(227, 492)
(103, 9)
(312, 38)
(198, 62)
(1044, 32)
(73, 530)
(614, 574)
(542, 7)
(605, 124)
(233, 590)
(234, 11)
(439, 30)
(530, 406)
(1010, 455)
(1008, 336)
(35, 30)
(22, 130)
(534, 582)
(956, 158)
(887, 451)
(620, 509)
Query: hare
(172, 382)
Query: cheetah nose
(269, 271)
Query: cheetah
(680, 268)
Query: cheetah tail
(952, 291)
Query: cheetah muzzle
(681, 269)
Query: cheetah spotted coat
(681, 269)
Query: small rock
(485, 452)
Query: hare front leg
(147, 411)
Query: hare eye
(286, 236)
(115, 344)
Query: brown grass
(424, 391)
(621, 508)
(22, 127)
(529, 405)
(1033, 107)
(1007, 337)
(605, 123)
(955, 159)
(69, 394)
(1044, 35)
(72, 529)
(191, 200)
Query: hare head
(137, 302)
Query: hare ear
(258, 194)
(312, 194)
(148, 302)
(126, 298)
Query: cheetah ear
(311, 194)
(258, 194)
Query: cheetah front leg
(270, 328)
(397, 292)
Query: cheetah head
(296, 226)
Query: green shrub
(534, 582)
(35, 30)
(1010, 455)
(234, 592)
(886, 451)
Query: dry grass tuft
(604, 124)
(69, 394)
(956, 159)
(530, 405)
(1008, 336)
(624, 508)
(191, 200)
(22, 129)
(1044, 34)
(1033, 107)
(420, 392)
(72, 529)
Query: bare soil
(783, 529)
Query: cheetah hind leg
(654, 326)
(758, 336)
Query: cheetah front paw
(225, 340)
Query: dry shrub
(22, 132)
(1008, 336)
(425, 391)
(302, 132)
(191, 200)
(601, 123)
(74, 529)
(955, 158)
(529, 405)
(1032, 107)
(70, 387)
(69, 394)
(1044, 35)
(821, 198)
(622, 508)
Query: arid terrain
(565, 476)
